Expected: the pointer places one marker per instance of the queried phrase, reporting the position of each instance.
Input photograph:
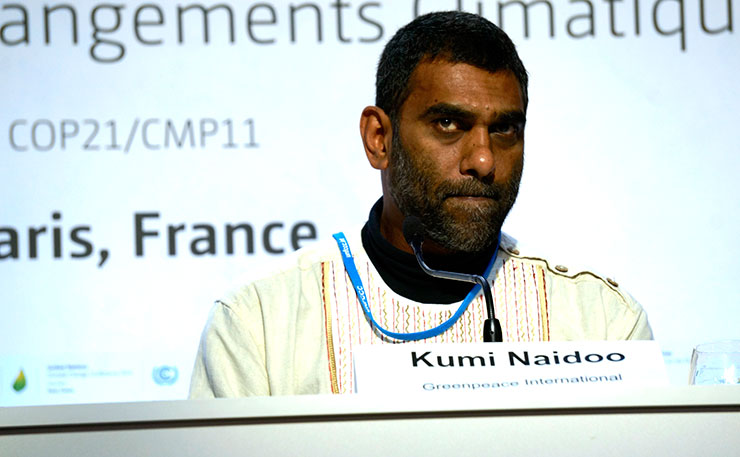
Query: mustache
(469, 188)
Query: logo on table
(20, 382)
(165, 375)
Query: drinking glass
(715, 363)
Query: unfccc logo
(164, 375)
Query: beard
(453, 224)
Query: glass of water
(715, 363)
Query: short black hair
(453, 36)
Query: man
(447, 135)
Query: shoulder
(580, 293)
(569, 272)
(282, 277)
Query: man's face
(457, 153)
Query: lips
(467, 203)
(490, 195)
(470, 189)
(471, 197)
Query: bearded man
(447, 134)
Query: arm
(231, 355)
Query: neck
(391, 223)
(401, 272)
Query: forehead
(464, 85)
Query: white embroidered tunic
(293, 332)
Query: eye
(447, 124)
(506, 128)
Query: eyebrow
(512, 117)
(449, 110)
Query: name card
(487, 367)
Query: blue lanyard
(354, 276)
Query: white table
(672, 421)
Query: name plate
(488, 367)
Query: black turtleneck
(403, 275)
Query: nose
(477, 157)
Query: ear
(377, 134)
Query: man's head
(453, 36)
(447, 133)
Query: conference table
(651, 421)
